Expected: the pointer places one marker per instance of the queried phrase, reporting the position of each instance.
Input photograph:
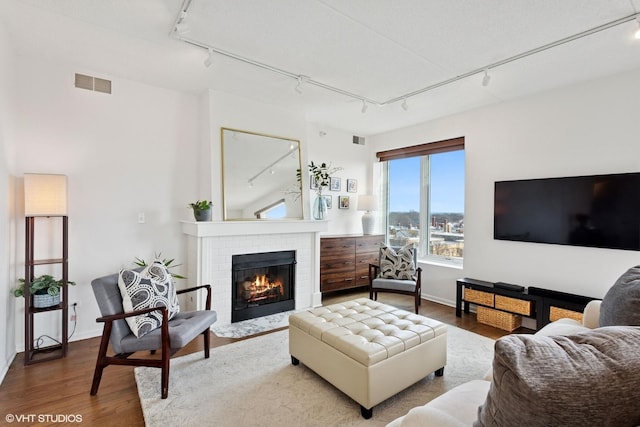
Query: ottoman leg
(366, 413)
(294, 361)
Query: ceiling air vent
(358, 140)
(93, 83)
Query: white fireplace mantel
(211, 244)
(242, 228)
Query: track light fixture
(486, 79)
(405, 106)
(298, 87)
(209, 60)
(364, 106)
(181, 26)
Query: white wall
(131, 152)
(7, 241)
(337, 148)
(584, 129)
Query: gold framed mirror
(259, 176)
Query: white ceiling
(377, 49)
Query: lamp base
(368, 222)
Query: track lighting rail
(180, 19)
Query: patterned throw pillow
(397, 265)
(152, 287)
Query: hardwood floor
(61, 387)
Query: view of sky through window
(447, 183)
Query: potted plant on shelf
(45, 290)
(202, 210)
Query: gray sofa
(566, 374)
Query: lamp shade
(367, 203)
(45, 195)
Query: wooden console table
(539, 304)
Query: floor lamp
(44, 196)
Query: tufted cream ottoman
(368, 350)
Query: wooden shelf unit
(344, 260)
(58, 350)
(539, 301)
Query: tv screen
(600, 211)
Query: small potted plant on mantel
(202, 210)
(45, 290)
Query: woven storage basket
(514, 305)
(499, 319)
(478, 297)
(556, 313)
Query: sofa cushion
(397, 265)
(621, 304)
(152, 287)
(455, 408)
(590, 378)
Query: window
(277, 210)
(425, 202)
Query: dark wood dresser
(344, 260)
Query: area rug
(253, 383)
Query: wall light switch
(141, 218)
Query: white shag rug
(253, 383)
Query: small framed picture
(336, 184)
(352, 185)
(344, 202)
(328, 200)
(313, 184)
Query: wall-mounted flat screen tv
(600, 211)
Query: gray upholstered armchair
(396, 273)
(171, 336)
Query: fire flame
(261, 285)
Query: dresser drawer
(369, 244)
(336, 265)
(337, 247)
(335, 281)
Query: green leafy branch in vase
(320, 175)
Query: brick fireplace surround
(210, 246)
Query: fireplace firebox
(263, 284)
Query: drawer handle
(348, 280)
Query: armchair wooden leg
(207, 342)
(101, 361)
(166, 356)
